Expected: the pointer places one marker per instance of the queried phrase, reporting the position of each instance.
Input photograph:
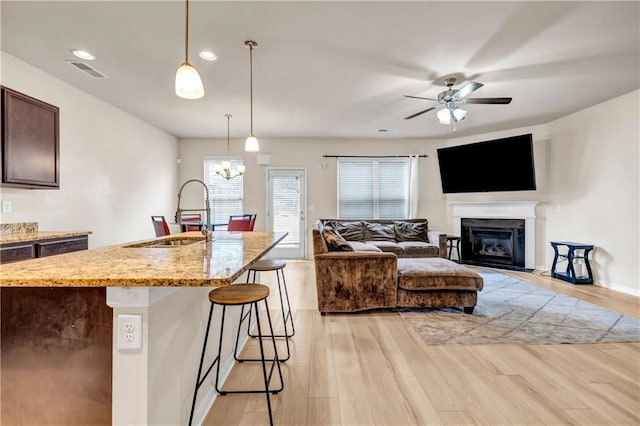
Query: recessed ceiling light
(208, 56)
(83, 54)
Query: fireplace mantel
(501, 210)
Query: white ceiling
(336, 69)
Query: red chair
(243, 222)
(190, 218)
(160, 225)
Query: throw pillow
(334, 241)
(349, 230)
(379, 232)
(411, 231)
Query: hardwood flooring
(371, 369)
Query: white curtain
(414, 172)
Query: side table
(451, 240)
(573, 252)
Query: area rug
(513, 311)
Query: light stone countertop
(27, 237)
(215, 263)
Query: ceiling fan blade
(488, 101)
(419, 113)
(466, 90)
(418, 97)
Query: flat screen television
(497, 165)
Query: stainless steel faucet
(206, 229)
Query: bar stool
(266, 265)
(240, 295)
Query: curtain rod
(372, 156)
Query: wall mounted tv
(497, 165)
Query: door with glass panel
(286, 191)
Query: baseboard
(618, 287)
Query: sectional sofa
(368, 264)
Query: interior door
(287, 210)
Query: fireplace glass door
(490, 245)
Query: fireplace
(493, 242)
(511, 210)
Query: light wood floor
(371, 369)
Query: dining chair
(242, 222)
(160, 225)
(190, 218)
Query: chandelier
(224, 169)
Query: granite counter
(202, 263)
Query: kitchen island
(59, 312)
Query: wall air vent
(87, 69)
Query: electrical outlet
(6, 206)
(129, 332)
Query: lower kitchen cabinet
(41, 248)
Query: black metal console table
(573, 251)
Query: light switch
(6, 206)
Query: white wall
(594, 175)
(321, 182)
(115, 170)
(586, 168)
(588, 187)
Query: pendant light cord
(186, 32)
(251, 84)
(228, 149)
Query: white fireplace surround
(502, 210)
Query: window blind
(225, 196)
(373, 188)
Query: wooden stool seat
(267, 265)
(239, 294)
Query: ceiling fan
(450, 98)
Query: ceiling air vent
(87, 69)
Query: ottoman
(436, 282)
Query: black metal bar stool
(240, 295)
(278, 266)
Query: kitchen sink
(170, 242)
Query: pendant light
(251, 144)
(188, 82)
(224, 169)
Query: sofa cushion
(411, 231)
(334, 240)
(419, 248)
(435, 273)
(379, 232)
(350, 231)
(387, 246)
(360, 246)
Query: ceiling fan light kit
(451, 113)
(188, 82)
(447, 115)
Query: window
(225, 195)
(373, 188)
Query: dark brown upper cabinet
(30, 142)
